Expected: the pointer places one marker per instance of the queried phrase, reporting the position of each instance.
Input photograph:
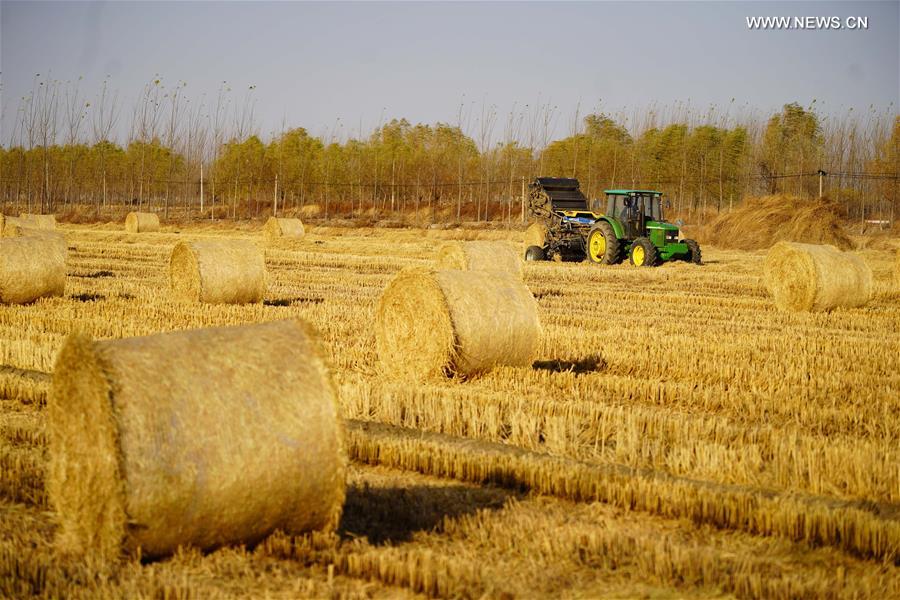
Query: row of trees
(203, 158)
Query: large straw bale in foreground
(141, 222)
(805, 277)
(276, 229)
(433, 323)
(479, 256)
(32, 267)
(195, 438)
(32, 221)
(218, 272)
(535, 235)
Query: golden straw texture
(535, 235)
(277, 228)
(859, 527)
(479, 256)
(141, 222)
(758, 223)
(10, 226)
(804, 277)
(432, 323)
(218, 272)
(196, 438)
(37, 221)
(31, 267)
(897, 270)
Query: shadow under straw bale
(588, 364)
(395, 514)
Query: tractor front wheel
(535, 253)
(643, 253)
(603, 246)
(693, 254)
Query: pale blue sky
(313, 63)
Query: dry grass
(677, 435)
(761, 222)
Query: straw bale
(805, 277)
(479, 256)
(434, 323)
(277, 228)
(193, 438)
(33, 221)
(141, 222)
(218, 272)
(32, 267)
(535, 235)
(11, 224)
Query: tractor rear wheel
(535, 253)
(603, 246)
(693, 254)
(643, 253)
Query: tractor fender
(615, 224)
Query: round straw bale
(14, 228)
(535, 235)
(434, 323)
(276, 228)
(12, 224)
(805, 277)
(141, 222)
(33, 221)
(52, 237)
(193, 438)
(218, 272)
(479, 256)
(32, 267)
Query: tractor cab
(634, 209)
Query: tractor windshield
(624, 207)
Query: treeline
(195, 158)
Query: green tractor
(566, 227)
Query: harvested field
(677, 435)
